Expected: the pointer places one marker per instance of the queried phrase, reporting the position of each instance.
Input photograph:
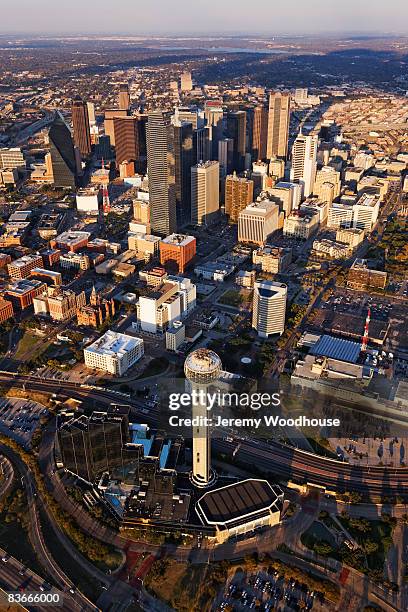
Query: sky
(138, 17)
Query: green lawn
(31, 346)
(231, 298)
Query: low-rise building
(71, 241)
(6, 310)
(96, 312)
(78, 261)
(21, 268)
(331, 249)
(301, 224)
(46, 276)
(50, 257)
(5, 259)
(58, 304)
(114, 353)
(274, 260)
(175, 336)
(245, 279)
(353, 237)
(316, 207)
(49, 225)
(89, 200)
(240, 508)
(153, 277)
(144, 243)
(22, 292)
(360, 276)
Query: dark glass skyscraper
(161, 168)
(236, 129)
(80, 123)
(184, 160)
(96, 444)
(63, 161)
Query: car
(22, 571)
(5, 558)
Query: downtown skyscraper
(278, 125)
(124, 97)
(304, 162)
(236, 129)
(62, 154)
(162, 173)
(184, 160)
(80, 124)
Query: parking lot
(19, 418)
(265, 592)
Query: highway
(273, 457)
(15, 578)
(76, 601)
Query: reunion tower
(202, 368)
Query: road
(12, 581)
(76, 601)
(274, 457)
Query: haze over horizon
(226, 17)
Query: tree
(370, 547)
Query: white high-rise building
(288, 196)
(365, 212)
(340, 215)
(202, 368)
(364, 160)
(304, 162)
(91, 114)
(171, 302)
(269, 308)
(257, 222)
(205, 192)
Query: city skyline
(203, 311)
(319, 17)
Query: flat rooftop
(72, 236)
(178, 239)
(113, 343)
(337, 348)
(24, 260)
(238, 500)
(24, 285)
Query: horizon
(97, 17)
